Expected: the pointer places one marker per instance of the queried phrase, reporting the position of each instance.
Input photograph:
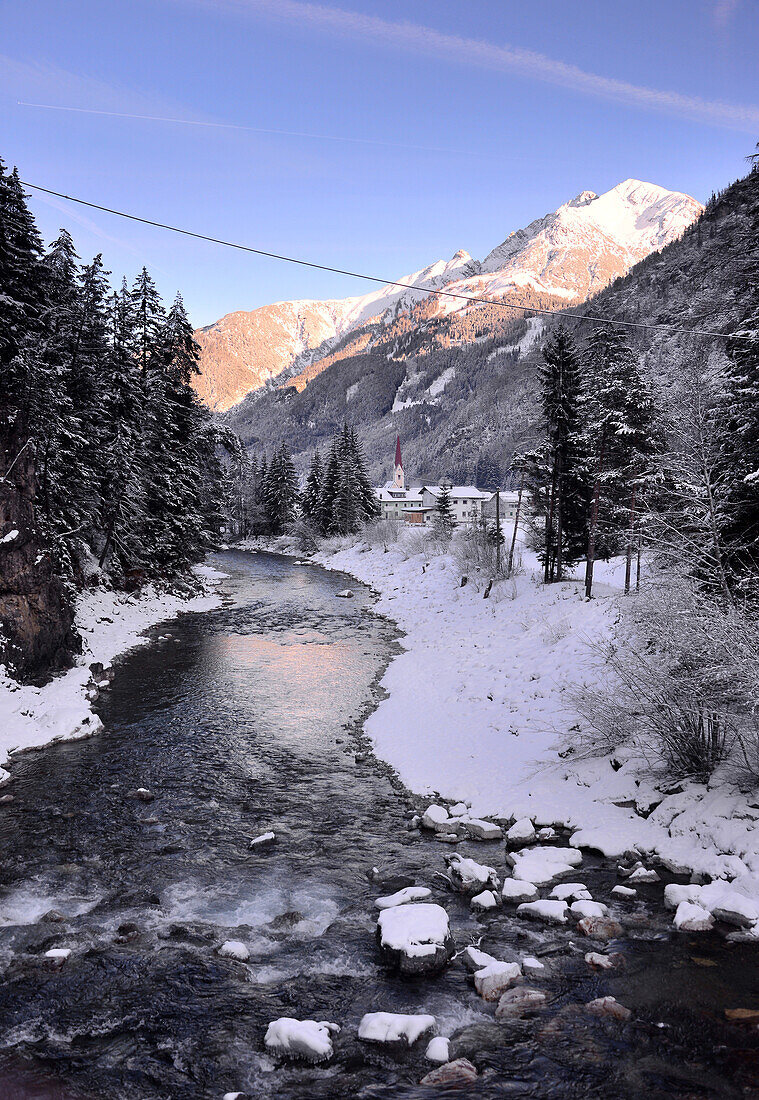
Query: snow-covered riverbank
(481, 708)
(110, 623)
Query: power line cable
(387, 282)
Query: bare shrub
(683, 683)
(476, 551)
(304, 534)
(383, 532)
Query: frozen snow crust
(110, 623)
(486, 688)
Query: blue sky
(457, 123)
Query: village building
(418, 505)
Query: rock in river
(306, 1039)
(416, 938)
(452, 1075)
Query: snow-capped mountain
(569, 254)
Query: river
(245, 719)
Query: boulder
(453, 1075)
(436, 818)
(588, 909)
(310, 1040)
(481, 830)
(691, 917)
(437, 1049)
(550, 912)
(474, 959)
(234, 949)
(495, 978)
(571, 891)
(600, 928)
(519, 1001)
(624, 891)
(402, 897)
(486, 900)
(608, 1007)
(513, 891)
(469, 877)
(521, 832)
(415, 938)
(392, 1027)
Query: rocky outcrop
(36, 612)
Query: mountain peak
(583, 198)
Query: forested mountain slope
(460, 389)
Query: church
(417, 505)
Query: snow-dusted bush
(476, 552)
(382, 532)
(304, 534)
(684, 683)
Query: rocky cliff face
(568, 255)
(36, 614)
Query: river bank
(481, 708)
(109, 623)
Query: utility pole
(497, 531)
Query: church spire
(399, 478)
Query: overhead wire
(474, 299)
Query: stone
(142, 794)
(533, 966)
(519, 1001)
(6, 799)
(234, 949)
(482, 830)
(53, 916)
(459, 809)
(469, 877)
(415, 938)
(310, 1040)
(608, 1007)
(588, 909)
(452, 1075)
(126, 932)
(742, 1015)
(597, 961)
(438, 1049)
(550, 912)
(486, 900)
(495, 978)
(57, 956)
(600, 928)
(402, 897)
(346, 594)
(514, 891)
(521, 832)
(691, 917)
(571, 891)
(436, 818)
(474, 959)
(624, 891)
(392, 1027)
(643, 874)
(263, 840)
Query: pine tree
(325, 511)
(281, 491)
(557, 471)
(312, 494)
(619, 441)
(739, 517)
(443, 518)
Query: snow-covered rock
(310, 1040)
(403, 897)
(727, 904)
(234, 949)
(644, 874)
(533, 966)
(415, 937)
(346, 594)
(513, 891)
(58, 954)
(495, 978)
(437, 1049)
(691, 917)
(470, 877)
(624, 891)
(550, 912)
(521, 832)
(392, 1027)
(598, 961)
(481, 830)
(263, 840)
(436, 818)
(486, 900)
(474, 959)
(574, 891)
(675, 894)
(610, 1007)
(581, 909)
(542, 865)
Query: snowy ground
(482, 700)
(109, 623)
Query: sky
(367, 135)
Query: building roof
(458, 491)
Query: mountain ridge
(568, 254)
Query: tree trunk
(516, 526)
(594, 519)
(559, 532)
(547, 569)
(630, 538)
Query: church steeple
(399, 478)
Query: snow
(514, 890)
(263, 839)
(434, 816)
(234, 949)
(437, 1049)
(305, 1039)
(541, 865)
(58, 953)
(488, 688)
(441, 382)
(582, 909)
(10, 536)
(522, 830)
(469, 875)
(409, 928)
(402, 897)
(110, 623)
(578, 891)
(391, 1027)
(693, 918)
(551, 912)
(486, 900)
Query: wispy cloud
(471, 51)
(723, 12)
(241, 126)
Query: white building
(418, 505)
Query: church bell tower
(399, 478)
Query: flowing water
(246, 719)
